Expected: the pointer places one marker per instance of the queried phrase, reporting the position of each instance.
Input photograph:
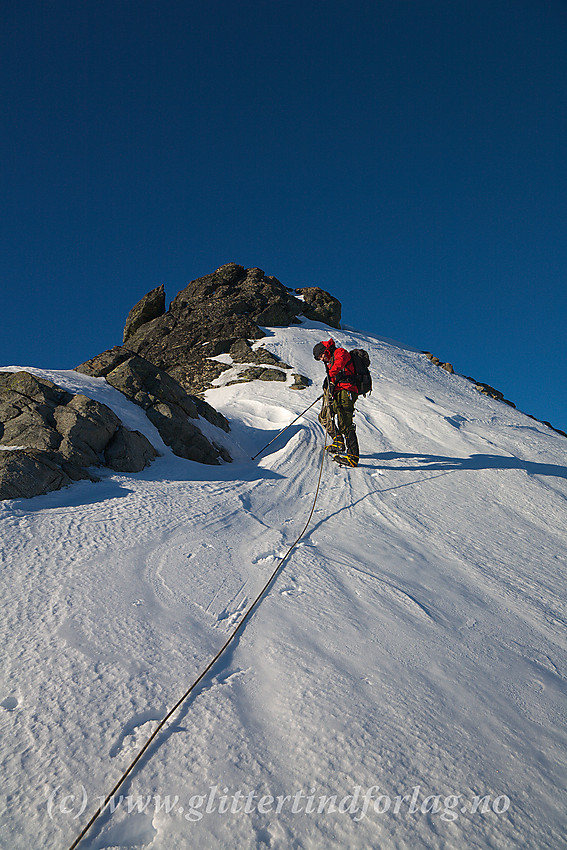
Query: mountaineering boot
(346, 459)
(337, 446)
(352, 449)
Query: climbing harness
(211, 663)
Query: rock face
(149, 307)
(51, 437)
(220, 314)
(321, 306)
(166, 403)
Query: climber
(339, 395)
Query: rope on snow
(211, 664)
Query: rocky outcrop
(31, 472)
(222, 313)
(149, 307)
(129, 451)
(50, 437)
(321, 306)
(166, 403)
(259, 373)
(300, 382)
(242, 352)
(487, 390)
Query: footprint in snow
(135, 733)
(260, 559)
(228, 617)
(292, 591)
(9, 704)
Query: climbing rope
(211, 664)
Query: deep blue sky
(409, 156)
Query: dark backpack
(362, 376)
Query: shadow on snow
(431, 463)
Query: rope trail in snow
(181, 700)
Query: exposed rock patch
(57, 436)
(151, 306)
(259, 373)
(166, 403)
(242, 352)
(31, 472)
(220, 314)
(321, 306)
(487, 390)
(300, 382)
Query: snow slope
(403, 683)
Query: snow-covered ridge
(410, 662)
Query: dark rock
(300, 382)
(149, 307)
(262, 356)
(278, 314)
(102, 364)
(486, 389)
(28, 472)
(86, 427)
(184, 438)
(146, 385)
(242, 352)
(57, 436)
(214, 313)
(168, 360)
(129, 451)
(259, 373)
(168, 406)
(448, 367)
(320, 306)
(32, 425)
(197, 375)
(32, 387)
(27, 405)
(209, 413)
(218, 346)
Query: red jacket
(339, 367)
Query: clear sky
(409, 156)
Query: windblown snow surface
(402, 685)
